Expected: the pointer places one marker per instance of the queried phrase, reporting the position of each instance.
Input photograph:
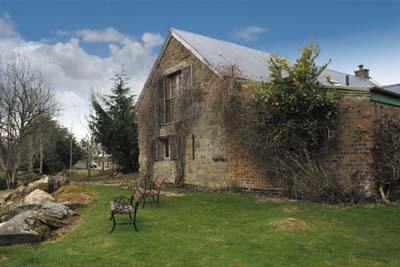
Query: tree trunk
(30, 155)
(102, 163)
(41, 154)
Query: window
(171, 92)
(165, 148)
(174, 84)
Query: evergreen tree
(114, 125)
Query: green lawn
(221, 229)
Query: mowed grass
(220, 229)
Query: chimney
(347, 79)
(362, 73)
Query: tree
(56, 142)
(24, 97)
(114, 125)
(294, 108)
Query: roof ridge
(216, 39)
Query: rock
(42, 183)
(38, 196)
(55, 210)
(56, 182)
(72, 205)
(290, 224)
(33, 222)
(4, 196)
(54, 215)
(23, 228)
(14, 210)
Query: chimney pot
(362, 73)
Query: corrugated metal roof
(251, 62)
(395, 88)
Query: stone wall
(208, 168)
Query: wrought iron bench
(152, 189)
(124, 205)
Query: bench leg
(144, 201)
(113, 219)
(134, 223)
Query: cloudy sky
(80, 45)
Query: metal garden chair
(152, 189)
(124, 205)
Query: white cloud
(73, 72)
(101, 36)
(250, 33)
(7, 27)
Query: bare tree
(24, 97)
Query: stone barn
(206, 156)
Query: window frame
(170, 96)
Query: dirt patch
(264, 199)
(3, 260)
(290, 209)
(290, 224)
(172, 194)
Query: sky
(79, 45)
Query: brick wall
(356, 124)
(353, 154)
(242, 171)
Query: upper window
(174, 85)
(171, 92)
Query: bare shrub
(313, 179)
(386, 155)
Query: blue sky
(81, 43)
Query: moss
(73, 193)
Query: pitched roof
(251, 62)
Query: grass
(214, 229)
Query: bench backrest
(159, 181)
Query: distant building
(82, 164)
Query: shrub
(386, 155)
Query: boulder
(33, 222)
(38, 196)
(72, 205)
(23, 228)
(42, 184)
(56, 182)
(54, 215)
(55, 210)
(4, 196)
(14, 210)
